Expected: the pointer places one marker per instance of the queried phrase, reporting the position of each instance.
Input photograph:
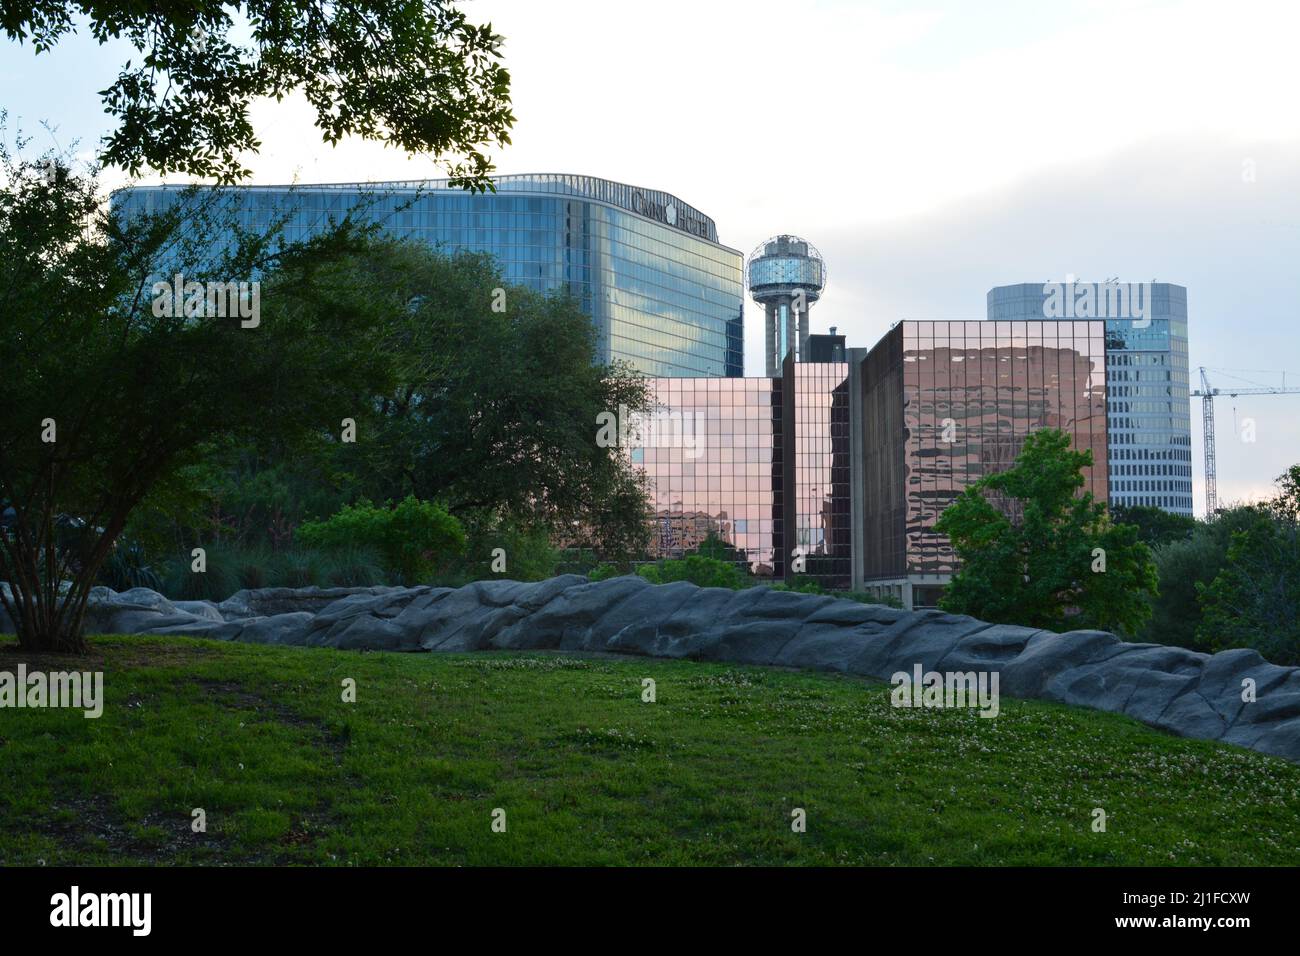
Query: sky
(929, 150)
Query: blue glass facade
(1148, 402)
(664, 295)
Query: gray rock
(1048, 654)
(267, 602)
(1141, 680)
(569, 614)
(988, 648)
(203, 609)
(289, 628)
(918, 637)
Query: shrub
(411, 538)
(300, 568)
(353, 568)
(603, 572)
(220, 579)
(1185, 568)
(252, 567)
(699, 570)
(126, 567)
(502, 551)
(802, 584)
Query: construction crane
(1206, 393)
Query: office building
(1149, 403)
(663, 293)
(763, 463)
(939, 405)
(841, 469)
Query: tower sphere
(785, 275)
(783, 266)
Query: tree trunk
(45, 639)
(49, 627)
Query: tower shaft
(785, 333)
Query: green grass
(587, 773)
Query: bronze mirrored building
(819, 455)
(843, 468)
(731, 483)
(945, 403)
(769, 472)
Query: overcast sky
(930, 150)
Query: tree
(495, 411)
(110, 388)
(1156, 526)
(713, 546)
(414, 74)
(1048, 555)
(1182, 568)
(1254, 599)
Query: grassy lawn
(587, 773)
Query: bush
(230, 569)
(577, 560)
(802, 584)
(1185, 568)
(412, 538)
(220, 579)
(603, 572)
(502, 551)
(126, 567)
(353, 568)
(253, 567)
(1254, 600)
(300, 568)
(699, 570)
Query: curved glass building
(664, 294)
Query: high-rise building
(786, 276)
(663, 293)
(763, 463)
(939, 405)
(716, 461)
(841, 469)
(1148, 400)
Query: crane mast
(1206, 393)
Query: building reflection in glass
(663, 294)
(945, 403)
(752, 450)
(821, 470)
(730, 483)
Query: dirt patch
(108, 654)
(236, 696)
